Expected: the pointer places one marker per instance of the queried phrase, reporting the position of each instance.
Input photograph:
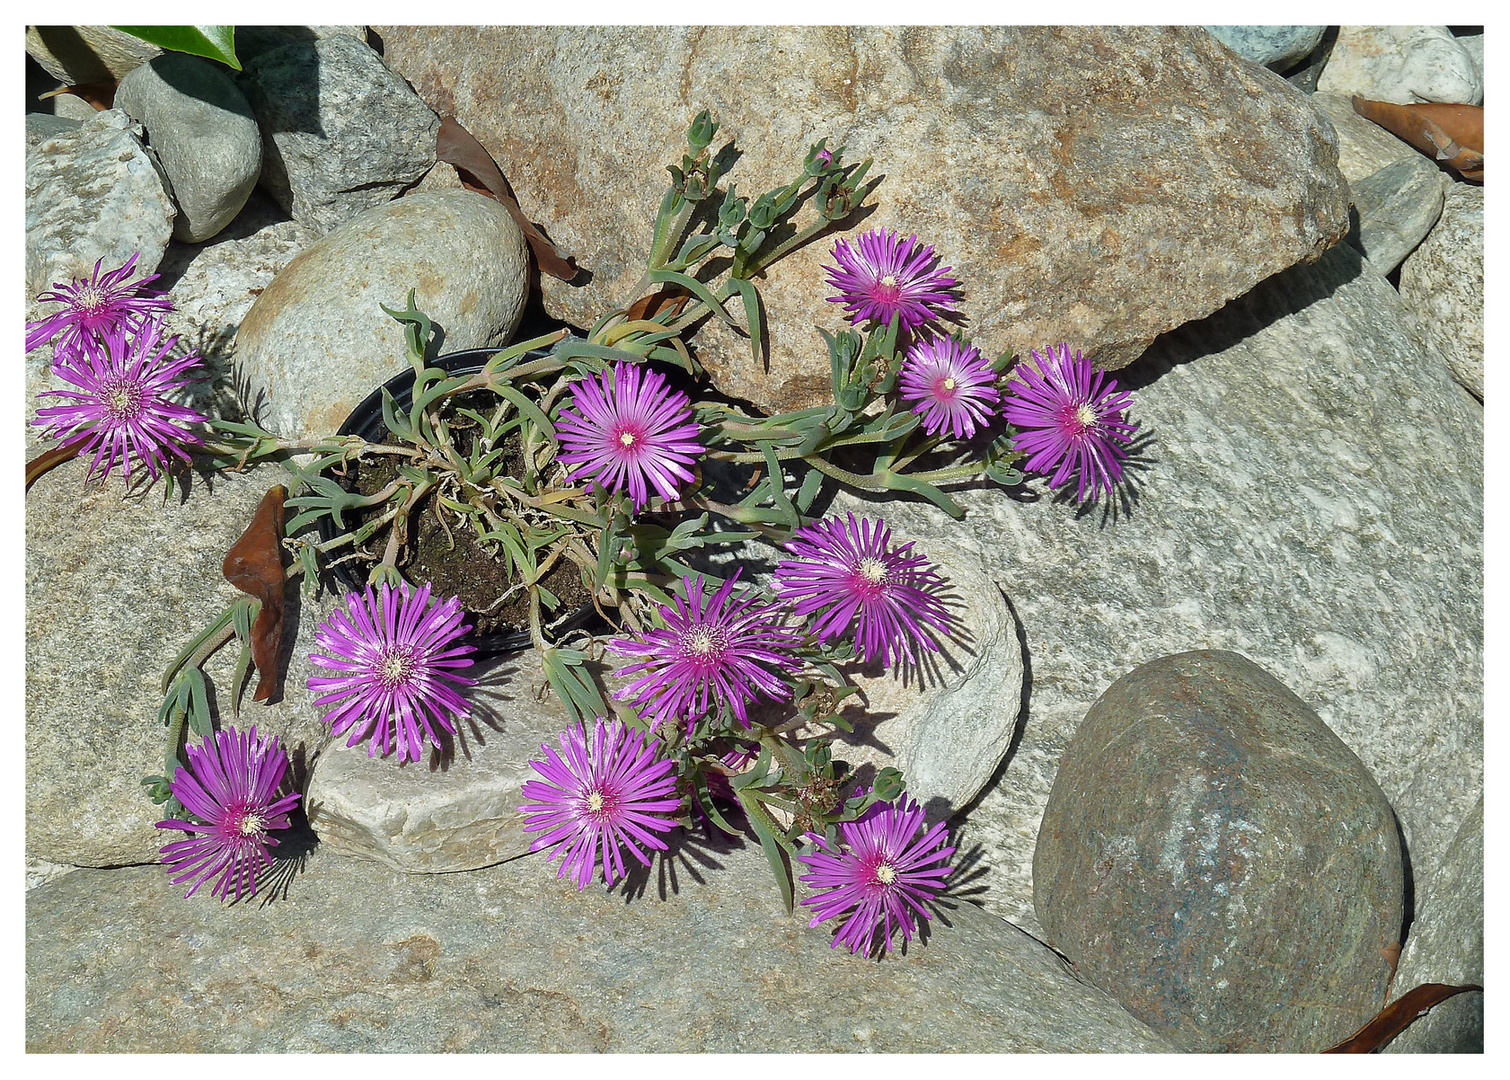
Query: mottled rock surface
(1446, 945)
(316, 341)
(1404, 64)
(1309, 493)
(1363, 147)
(698, 956)
(1275, 47)
(1098, 186)
(341, 132)
(1443, 284)
(205, 137)
(1214, 857)
(1397, 206)
(116, 588)
(93, 192)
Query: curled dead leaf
(255, 566)
(1449, 133)
(1396, 1017)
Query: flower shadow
(688, 853)
(492, 676)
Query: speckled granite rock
(1446, 945)
(1214, 857)
(93, 192)
(1273, 47)
(316, 341)
(1404, 64)
(1363, 147)
(1309, 494)
(1087, 184)
(1443, 284)
(700, 957)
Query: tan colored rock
(1098, 186)
(78, 55)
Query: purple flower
(879, 876)
(709, 653)
(394, 657)
(92, 307)
(888, 596)
(952, 384)
(121, 409)
(595, 802)
(629, 428)
(1068, 421)
(230, 786)
(884, 277)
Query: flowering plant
(608, 455)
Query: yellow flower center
(122, 399)
(626, 439)
(886, 873)
(252, 824)
(889, 280)
(872, 570)
(398, 666)
(89, 298)
(595, 801)
(1085, 415)
(949, 383)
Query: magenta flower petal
(884, 278)
(94, 306)
(726, 650)
(230, 785)
(121, 410)
(595, 802)
(849, 574)
(626, 430)
(1070, 421)
(396, 659)
(950, 384)
(879, 877)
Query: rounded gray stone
(203, 132)
(1275, 47)
(1443, 284)
(1403, 64)
(341, 131)
(1397, 206)
(1215, 858)
(316, 342)
(94, 192)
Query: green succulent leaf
(210, 42)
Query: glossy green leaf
(210, 42)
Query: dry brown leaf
(456, 145)
(255, 566)
(1396, 1017)
(1450, 133)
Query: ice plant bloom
(848, 571)
(230, 785)
(883, 278)
(396, 658)
(1070, 420)
(628, 429)
(93, 306)
(879, 876)
(722, 649)
(597, 801)
(951, 385)
(121, 409)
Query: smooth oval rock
(1092, 185)
(94, 192)
(1215, 858)
(1403, 64)
(203, 132)
(317, 342)
(1443, 284)
(341, 131)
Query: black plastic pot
(366, 420)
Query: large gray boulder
(1094, 185)
(694, 956)
(1214, 857)
(1404, 64)
(1309, 494)
(1442, 282)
